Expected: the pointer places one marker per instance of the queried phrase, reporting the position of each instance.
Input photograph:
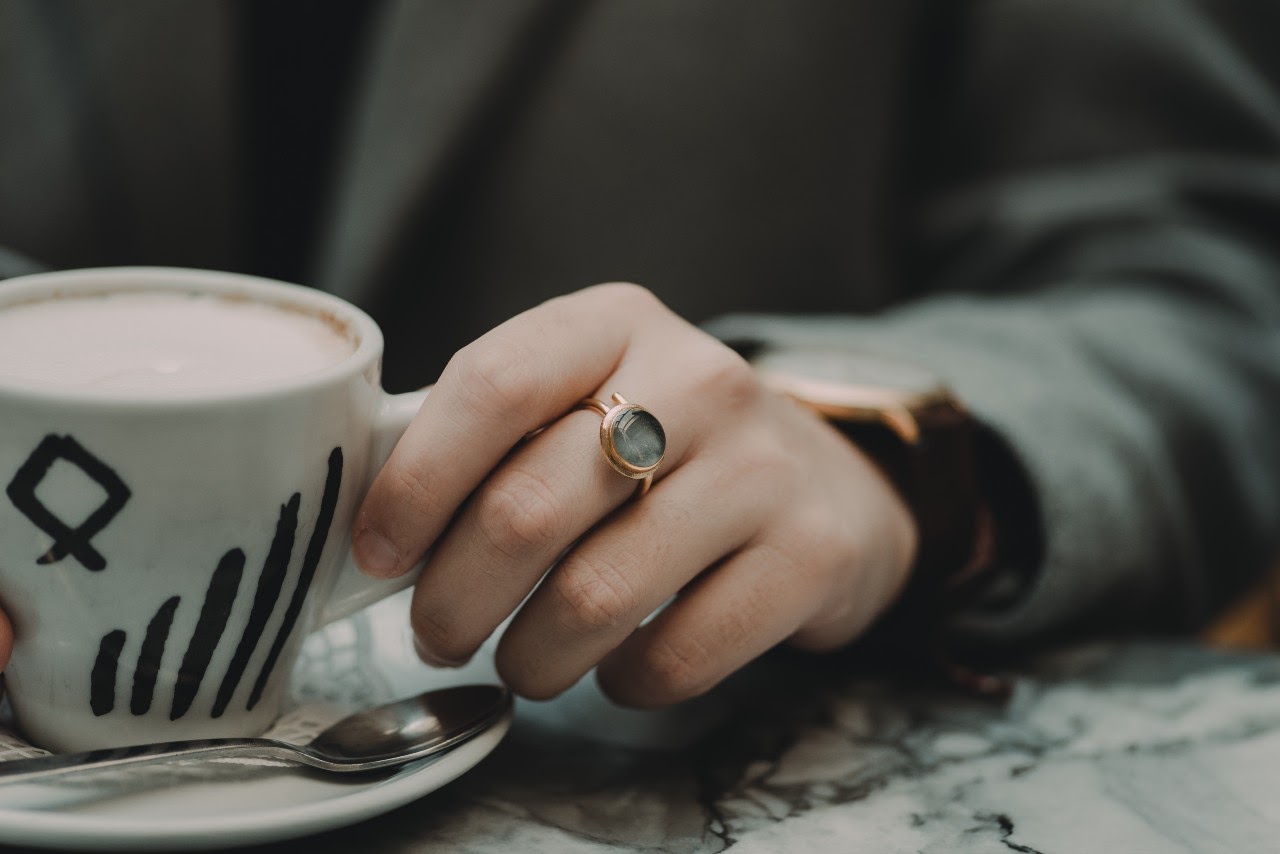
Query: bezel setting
(609, 442)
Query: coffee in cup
(158, 342)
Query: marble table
(1141, 747)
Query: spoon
(382, 737)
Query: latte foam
(162, 343)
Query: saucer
(352, 664)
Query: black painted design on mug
(270, 583)
(66, 539)
(219, 601)
(315, 548)
(149, 658)
(102, 682)
(214, 613)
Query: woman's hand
(764, 523)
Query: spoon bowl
(414, 727)
(386, 736)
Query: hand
(764, 523)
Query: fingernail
(429, 657)
(375, 554)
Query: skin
(763, 523)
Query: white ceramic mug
(163, 558)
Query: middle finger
(629, 565)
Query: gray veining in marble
(1140, 748)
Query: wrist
(936, 476)
(918, 434)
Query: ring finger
(536, 504)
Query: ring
(631, 437)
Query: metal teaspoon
(382, 737)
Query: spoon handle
(42, 767)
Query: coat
(1070, 211)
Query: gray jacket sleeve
(13, 264)
(1095, 239)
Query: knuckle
(519, 514)
(780, 555)
(759, 460)
(815, 522)
(821, 532)
(594, 596)
(630, 294)
(772, 461)
(677, 670)
(727, 378)
(495, 381)
(413, 488)
(433, 628)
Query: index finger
(518, 377)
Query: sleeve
(13, 264)
(1094, 239)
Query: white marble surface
(1109, 748)
(1134, 748)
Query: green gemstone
(639, 438)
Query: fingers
(551, 490)
(546, 495)
(629, 566)
(521, 376)
(832, 553)
(731, 615)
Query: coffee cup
(176, 514)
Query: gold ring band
(631, 437)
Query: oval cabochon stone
(639, 438)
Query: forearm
(1093, 231)
(1153, 465)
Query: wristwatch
(919, 434)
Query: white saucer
(350, 665)
(266, 807)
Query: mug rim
(151, 279)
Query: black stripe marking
(270, 584)
(214, 613)
(102, 682)
(315, 547)
(149, 659)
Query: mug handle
(353, 590)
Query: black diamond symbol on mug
(67, 540)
